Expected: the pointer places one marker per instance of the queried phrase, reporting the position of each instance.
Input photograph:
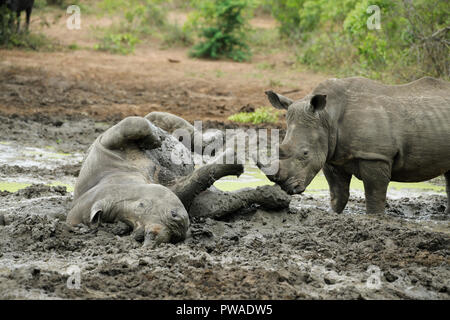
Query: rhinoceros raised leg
(447, 188)
(339, 183)
(375, 176)
(217, 204)
(187, 188)
(135, 129)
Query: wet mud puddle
(401, 196)
(253, 177)
(22, 166)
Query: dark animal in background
(18, 6)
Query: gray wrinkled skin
(115, 184)
(379, 133)
(128, 175)
(173, 124)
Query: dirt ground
(66, 99)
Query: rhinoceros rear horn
(278, 101)
(318, 102)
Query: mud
(303, 252)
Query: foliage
(260, 115)
(138, 16)
(57, 3)
(122, 43)
(175, 35)
(138, 19)
(222, 26)
(9, 38)
(413, 40)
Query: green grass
(12, 186)
(260, 115)
(119, 43)
(320, 183)
(29, 41)
(253, 177)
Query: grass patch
(13, 186)
(29, 41)
(260, 115)
(121, 43)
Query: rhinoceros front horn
(265, 169)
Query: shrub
(413, 40)
(260, 115)
(222, 27)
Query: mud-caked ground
(300, 253)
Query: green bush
(260, 115)
(222, 26)
(413, 40)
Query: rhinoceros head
(154, 212)
(304, 149)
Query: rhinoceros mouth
(293, 186)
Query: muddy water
(253, 177)
(32, 160)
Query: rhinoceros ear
(318, 102)
(278, 101)
(96, 212)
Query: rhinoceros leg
(447, 188)
(217, 204)
(135, 129)
(201, 179)
(339, 183)
(375, 176)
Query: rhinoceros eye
(174, 213)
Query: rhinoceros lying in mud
(377, 132)
(128, 175)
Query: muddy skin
(217, 204)
(378, 133)
(128, 175)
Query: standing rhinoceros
(379, 133)
(129, 175)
